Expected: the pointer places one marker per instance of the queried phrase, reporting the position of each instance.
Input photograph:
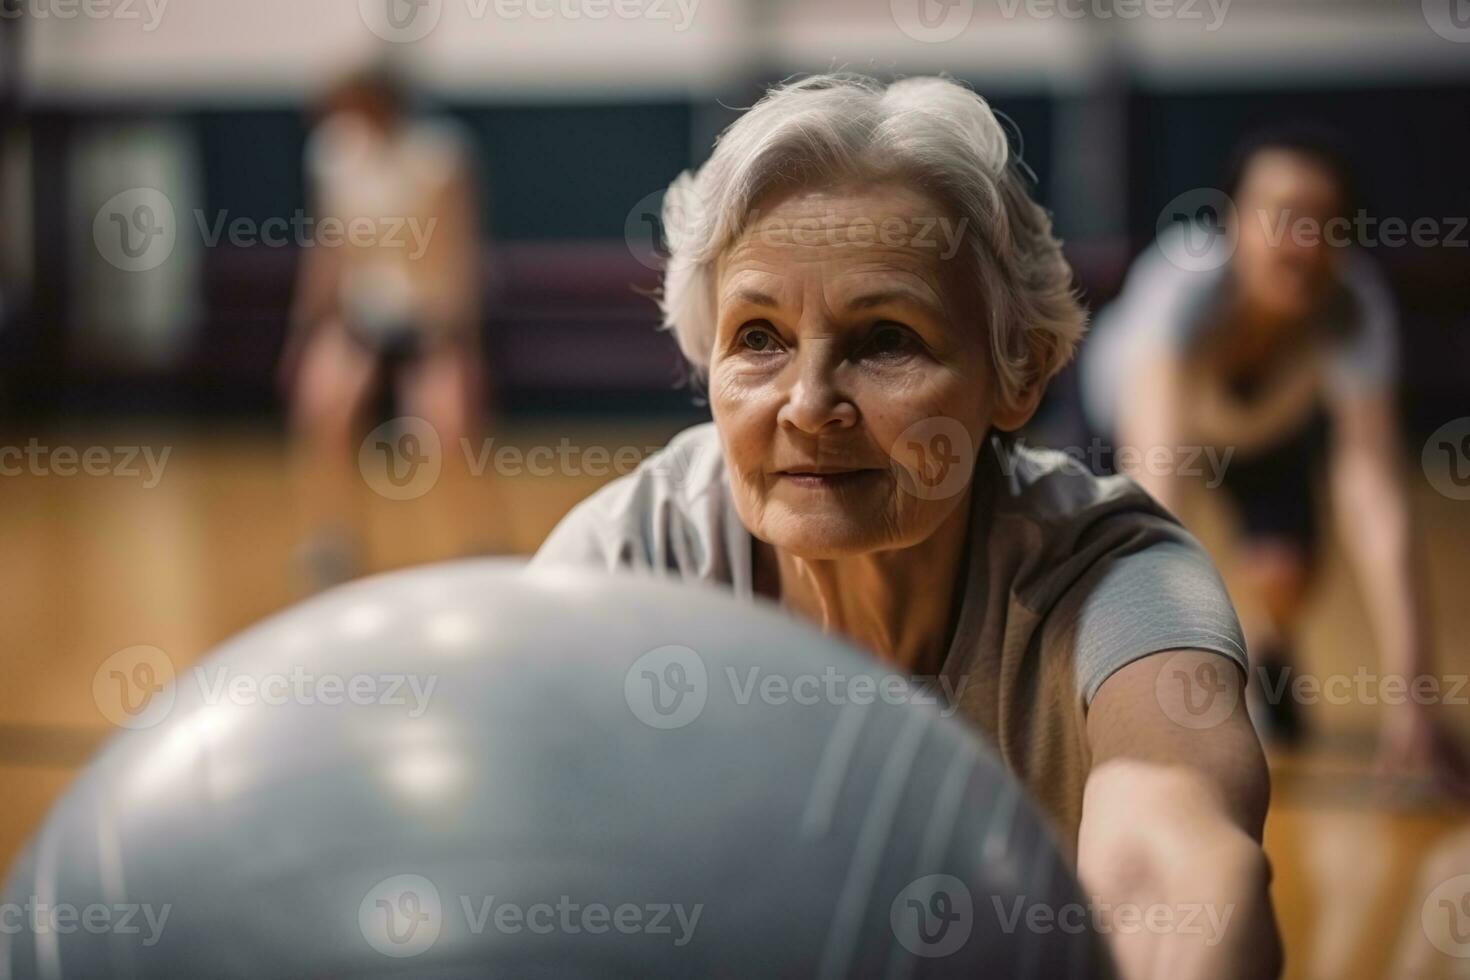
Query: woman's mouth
(826, 479)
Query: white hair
(930, 133)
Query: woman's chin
(824, 536)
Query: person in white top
(388, 291)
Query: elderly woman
(874, 300)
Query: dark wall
(572, 171)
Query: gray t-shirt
(1069, 577)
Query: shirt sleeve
(574, 541)
(1167, 596)
(1368, 360)
(592, 533)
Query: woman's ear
(1014, 412)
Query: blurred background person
(1264, 334)
(393, 302)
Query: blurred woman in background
(396, 300)
(1268, 335)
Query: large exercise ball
(476, 770)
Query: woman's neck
(901, 604)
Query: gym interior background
(189, 530)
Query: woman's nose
(816, 401)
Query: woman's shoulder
(669, 512)
(1053, 521)
(1055, 489)
(1104, 572)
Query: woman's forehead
(799, 215)
(857, 230)
(846, 287)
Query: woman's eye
(891, 340)
(757, 338)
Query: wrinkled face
(850, 379)
(1286, 205)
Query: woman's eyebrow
(754, 297)
(883, 297)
